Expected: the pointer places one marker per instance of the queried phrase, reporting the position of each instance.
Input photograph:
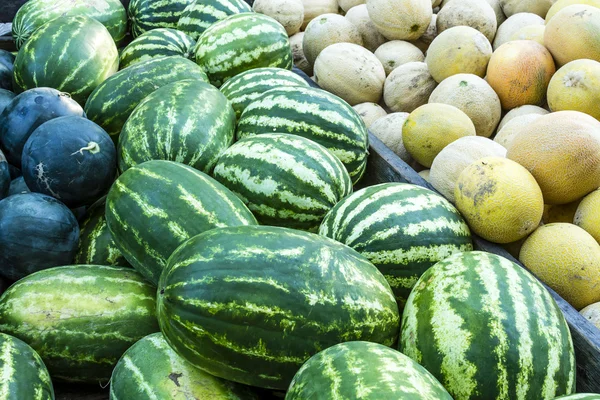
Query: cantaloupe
(538, 7)
(400, 19)
(430, 33)
(389, 130)
(369, 112)
(348, 4)
(408, 87)
(425, 174)
(397, 52)
(300, 60)
(505, 136)
(562, 151)
(371, 37)
(326, 30)
(592, 314)
(455, 157)
(289, 13)
(474, 13)
(587, 214)
(460, 49)
(314, 8)
(474, 96)
(519, 111)
(576, 86)
(519, 71)
(530, 32)
(560, 4)
(431, 127)
(513, 24)
(567, 259)
(499, 199)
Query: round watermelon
(70, 158)
(4, 176)
(160, 42)
(201, 14)
(6, 97)
(6, 69)
(18, 185)
(146, 15)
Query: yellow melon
(567, 259)
(431, 127)
(474, 13)
(514, 24)
(560, 212)
(508, 132)
(519, 71)
(587, 214)
(531, 32)
(370, 112)
(359, 16)
(574, 33)
(396, 53)
(560, 4)
(538, 7)
(389, 130)
(408, 87)
(300, 60)
(326, 30)
(562, 151)
(400, 19)
(576, 86)
(519, 111)
(289, 13)
(592, 314)
(314, 8)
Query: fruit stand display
(299, 199)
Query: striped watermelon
(35, 13)
(60, 55)
(486, 328)
(24, 375)
(402, 229)
(242, 42)
(146, 15)
(151, 369)
(366, 371)
(80, 318)
(155, 206)
(189, 121)
(285, 180)
(581, 396)
(246, 87)
(252, 303)
(314, 114)
(201, 14)
(161, 42)
(113, 101)
(96, 245)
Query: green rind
(189, 121)
(314, 114)
(155, 206)
(366, 371)
(285, 180)
(73, 54)
(201, 14)
(24, 375)
(581, 396)
(242, 42)
(402, 229)
(161, 42)
(246, 87)
(35, 13)
(115, 99)
(486, 328)
(150, 369)
(80, 318)
(252, 303)
(146, 15)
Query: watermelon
(61, 55)
(36, 232)
(402, 229)
(486, 328)
(581, 396)
(35, 13)
(18, 185)
(80, 318)
(4, 176)
(201, 14)
(6, 97)
(364, 370)
(146, 15)
(96, 245)
(157, 205)
(246, 87)
(7, 61)
(314, 114)
(189, 121)
(26, 112)
(241, 42)
(150, 369)
(285, 180)
(70, 158)
(24, 375)
(252, 303)
(114, 99)
(161, 42)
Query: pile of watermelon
(180, 219)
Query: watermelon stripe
(161, 42)
(146, 15)
(199, 15)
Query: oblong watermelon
(35, 13)
(402, 229)
(314, 114)
(246, 87)
(201, 14)
(252, 303)
(285, 180)
(241, 42)
(24, 375)
(62, 55)
(150, 369)
(189, 121)
(80, 318)
(161, 42)
(487, 328)
(157, 205)
(366, 371)
(114, 99)
(146, 15)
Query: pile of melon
(496, 103)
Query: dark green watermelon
(6, 97)
(146, 15)
(4, 176)
(18, 185)
(6, 69)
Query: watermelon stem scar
(92, 147)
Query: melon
(396, 53)
(513, 127)
(518, 111)
(530, 32)
(369, 112)
(389, 130)
(512, 25)
(425, 174)
(474, 13)
(560, 212)
(289, 13)
(348, 4)
(400, 19)
(587, 214)
(408, 87)
(560, 4)
(371, 37)
(538, 7)
(314, 8)
(592, 314)
(576, 86)
(425, 40)
(326, 30)
(300, 60)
